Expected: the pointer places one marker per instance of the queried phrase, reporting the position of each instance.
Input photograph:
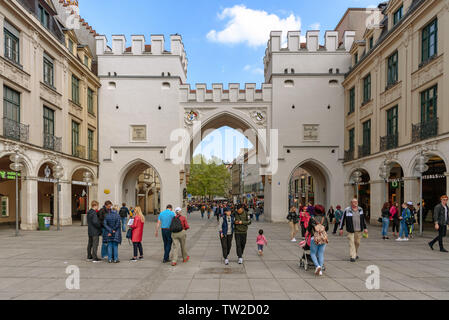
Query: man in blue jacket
(164, 222)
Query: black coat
(93, 224)
(439, 215)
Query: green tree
(208, 178)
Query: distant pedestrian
(124, 212)
(385, 220)
(331, 214)
(261, 242)
(137, 233)
(318, 227)
(404, 231)
(394, 212)
(94, 232)
(354, 219)
(164, 223)
(226, 232)
(304, 218)
(338, 216)
(112, 224)
(441, 220)
(202, 210)
(293, 221)
(179, 237)
(104, 235)
(242, 222)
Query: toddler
(261, 242)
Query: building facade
(397, 106)
(39, 105)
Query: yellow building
(397, 106)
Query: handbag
(129, 235)
(380, 220)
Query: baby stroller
(305, 260)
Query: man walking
(355, 222)
(94, 232)
(124, 212)
(107, 208)
(440, 218)
(179, 238)
(241, 231)
(164, 222)
(226, 231)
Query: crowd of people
(110, 222)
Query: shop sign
(434, 177)
(9, 175)
(80, 183)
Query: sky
(225, 41)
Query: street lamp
(58, 173)
(421, 167)
(357, 178)
(17, 167)
(87, 178)
(384, 173)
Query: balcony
(425, 130)
(79, 152)
(364, 151)
(389, 142)
(349, 155)
(15, 130)
(52, 143)
(93, 155)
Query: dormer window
(397, 16)
(71, 46)
(371, 42)
(356, 58)
(86, 61)
(44, 17)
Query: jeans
(226, 245)
(257, 217)
(137, 245)
(404, 230)
(124, 221)
(92, 248)
(260, 247)
(113, 251)
(317, 253)
(166, 237)
(240, 241)
(385, 226)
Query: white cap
(178, 210)
(410, 203)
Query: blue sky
(225, 40)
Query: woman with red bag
(137, 233)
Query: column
(28, 205)
(411, 190)
(2, 34)
(66, 204)
(377, 200)
(447, 182)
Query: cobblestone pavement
(33, 266)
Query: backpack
(320, 234)
(176, 225)
(123, 212)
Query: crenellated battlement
(139, 48)
(217, 94)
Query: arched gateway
(150, 119)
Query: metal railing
(79, 152)
(364, 151)
(349, 155)
(52, 143)
(425, 130)
(15, 130)
(389, 142)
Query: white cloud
(254, 70)
(252, 27)
(315, 26)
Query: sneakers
(399, 239)
(443, 250)
(133, 260)
(96, 260)
(317, 271)
(321, 273)
(352, 260)
(294, 240)
(187, 259)
(240, 261)
(117, 261)
(227, 262)
(406, 239)
(141, 258)
(431, 246)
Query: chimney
(101, 43)
(348, 39)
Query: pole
(58, 187)
(17, 205)
(421, 206)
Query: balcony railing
(389, 142)
(52, 143)
(349, 155)
(15, 130)
(425, 130)
(93, 155)
(80, 152)
(364, 151)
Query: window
(367, 135)
(352, 139)
(356, 58)
(392, 69)
(352, 100)
(429, 104)
(90, 143)
(11, 104)
(11, 43)
(392, 121)
(49, 121)
(75, 90)
(430, 41)
(397, 16)
(90, 101)
(71, 46)
(48, 70)
(371, 43)
(86, 61)
(75, 138)
(367, 88)
(44, 17)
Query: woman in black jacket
(293, 220)
(385, 220)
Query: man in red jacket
(179, 238)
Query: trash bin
(84, 220)
(44, 220)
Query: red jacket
(184, 223)
(137, 230)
